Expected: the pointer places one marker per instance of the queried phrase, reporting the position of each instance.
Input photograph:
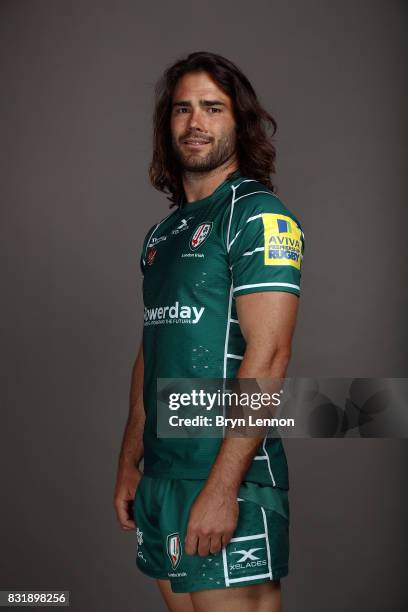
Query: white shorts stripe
(257, 536)
(225, 563)
(249, 578)
(234, 357)
(268, 550)
(269, 463)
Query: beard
(218, 155)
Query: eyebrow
(202, 103)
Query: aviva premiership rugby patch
(283, 245)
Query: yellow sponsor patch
(283, 244)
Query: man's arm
(267, 321)
(129, 475)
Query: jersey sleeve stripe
(254, 251)
(266, 285)
(235, 199)
(253, 218)
(235, 237)
(254, 193)
(239, 231)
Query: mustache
(196, 136)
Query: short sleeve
(266, 246)
(142, 264)
(144, 253)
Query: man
(221, 287)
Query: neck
(199, 185)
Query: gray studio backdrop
(76, 100)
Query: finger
(203, 546)
(127, 524)
(226, 537)
(190, 544)
(122, 511)
(215, 544)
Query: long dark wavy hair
(255, 127)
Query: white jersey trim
(234, 199)
(246, 181)
(254, 217)
(248, 220)
(253, 193)
(267, 285)
(233, 240)
(230, 217)
(227, 333)
(254, 251)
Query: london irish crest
(201, 233)
(174, 549)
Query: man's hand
(212, 522)
(125, 490)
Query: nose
(196, 120)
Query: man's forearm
(132, 444)
(236, 454)
(131, 452)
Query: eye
(214, 109)
(180, 109)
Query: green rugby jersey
(195, 262)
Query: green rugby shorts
(258, 551)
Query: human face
(202, 123)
